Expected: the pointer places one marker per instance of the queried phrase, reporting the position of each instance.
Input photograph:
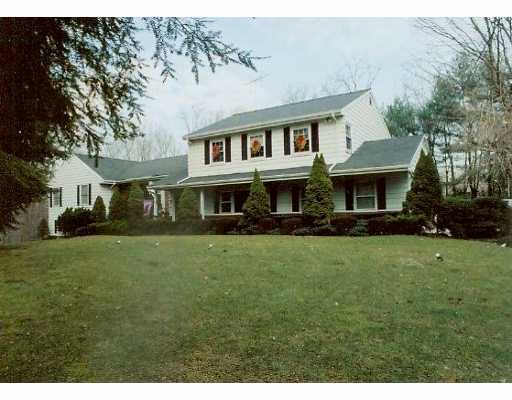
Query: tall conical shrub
(117, 206)
(188, 205)
(426, 194)
(319, 203)
(99, 213)
(257, 205)
(135, 206)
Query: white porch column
(172, 204)
(201, 203)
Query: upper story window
(256, 145)
(218, 151)
(84, 194)
(348, 137)
(365, 195)
(300, 140)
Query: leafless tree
(353, 75)
(198, 116)
(294, 94)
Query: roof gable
(279, 113)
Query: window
(84, 195)
(365, 195)
(55, 227)
(300, 140)
(56, 198)
(218, 151)
(257, 147)
(348, 137)
(225, 202)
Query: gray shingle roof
(278, 113)
(245, 176)
(113, 169)
(381, 153)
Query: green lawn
(256, 308)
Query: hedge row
(483, 217)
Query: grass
(260, 308)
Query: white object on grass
(118, 242)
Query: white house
(370, 170)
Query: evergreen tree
(257, 205)
(135, 202)
(319, 203)
(98, 210)
(188, 205)
(425, 196)
(118, 207)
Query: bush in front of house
(360, 228)
(118, 227)
(188, 206)
(405, 224)
(257, 205)
(425, 196)
(135, 203)
(223, 226)
(483, 217)
(317, 230)
(99, 213)
(118, 206)
(344, 223)
(319, 202)
(72, 219)
(43, 229)
(378, 226)
(288, 225)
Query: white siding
(67, 175)
(364, 118)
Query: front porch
(357, 194)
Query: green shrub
(318, 203)
(222, 226)
(344, 223)
(288, 225)
(99, 212)
(426, 195)
(135, 203)
(42, 229)
(188, 206)
(118, 227)
(405, 224)
(360, 228)
(378, 226)
(266, 224)
(118, 206)
(319, 230)
(257, 205)
(72, 219)
(483, 217)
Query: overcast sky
(300, 52)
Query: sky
(299, 51)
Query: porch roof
(378, 154)
(242, 177)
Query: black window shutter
(314, 137)
(244, 146)
(240, 198)
(295, 198)
(286, 139)
(268, 143)
(216, 205)
(273, 200)
(228, 149)
(90, 194)
(60, 197)
(51, 197)
(207, 152)
(77, 195)
(349, 195)
(381, 193)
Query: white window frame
(249, 146)
(348, 135)
(55, 193)
(231, 202)
(84, 203)
(223, 141)
(356, 194)
(292, 140)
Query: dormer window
(256, 145)
(218, 151)
(300, 140)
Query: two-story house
(370, 170)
